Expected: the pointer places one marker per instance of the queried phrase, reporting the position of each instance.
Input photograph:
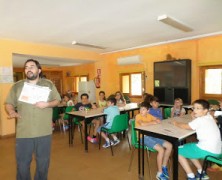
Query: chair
(120, 124)
(135, 145)
(56, 116)
(167, 113)
(211, 159)
(213, 102)
(75, 121)
(127, 99)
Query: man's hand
(13, 114)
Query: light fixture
(174, 23)
(87, 45)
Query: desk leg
(142, 155)
(175, 160)
(139, 134)
(70, 131)
(86, 141)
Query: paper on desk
(217, 113)
(33, 93)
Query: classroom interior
(72, 162)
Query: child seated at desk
(102, 99)
(218, 120)
(209, 139)
(155, 110)
(177, 109)
(120, 100)
(111, 111)
(162, 147)
(85, 105)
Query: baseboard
(7, 136)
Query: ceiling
(113, 24)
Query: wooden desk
(168, 132)
(90, 115)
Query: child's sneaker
(115, 142)
(165, 172)
(161, 177)
(203, 177)
(92, 140)
(189, 178)
(107, 144)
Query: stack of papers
(32, 93)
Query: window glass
(84, 78)
(213, 81)
(136, 84)
(125, 84)
(132, 84)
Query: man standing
(34, 123)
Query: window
(132, 83)
(79, 79)
(211, 82)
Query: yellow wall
(203, 51)
(8, 47)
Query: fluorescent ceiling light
(174, 23)
(87, 45)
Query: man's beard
(32, 77)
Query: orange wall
(203, 51)
(182, 50)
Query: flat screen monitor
(174, 73)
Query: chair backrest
(127, 99)
(213, 102)
(167, 113)
(120, 123)
(68, 109)
(55, 113)
(134, 140)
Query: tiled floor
(69, 163)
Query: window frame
(130, 90)
(202, 82)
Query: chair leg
(128, 141)
(89, 128)
(80, 129)
(100, 139)
(131, 159)
(109, 136)
(205, 165)
(73, 131)
(60, 125)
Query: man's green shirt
(34, 122)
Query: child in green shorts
(209, 140)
